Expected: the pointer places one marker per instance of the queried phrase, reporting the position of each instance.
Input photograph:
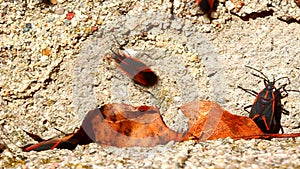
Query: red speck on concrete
(70, 15)
(94, 28)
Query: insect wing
(34, 136)
(135, 69)
(256, 109)
(132, 66)
(45, 145)
(269, 108)
(268, 114)
(50, 145)
(262, 111)
(146, 77)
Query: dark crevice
(172, 7)
(289, 20)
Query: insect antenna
(289, 82)
(291, 90)
(252, 92)
(120, 46)
(261, 77)
(135, 69)
(264, 77)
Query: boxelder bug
(267, 107)
(206, 5)
(135, 69)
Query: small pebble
(88, 30)
(59, 11)
(94, 28)
(44, 58)
(54, 2)
(46, 52)
(67, 22)
(194, 58)
(89, 16)
(51, 19)
(28, 25)
(25, 30)
(70, 15)
(74, 23)
(100, 22)
(43, 46)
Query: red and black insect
(135, 69)
(206, 5)
(70, 141)
(267, 108)
(43, 144)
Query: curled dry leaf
(122, 125)
(209, 121)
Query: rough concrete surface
(53, 70)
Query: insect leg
(285, 111)
(120, 46)
(281, 129)
(247, 107)
(284, 90)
